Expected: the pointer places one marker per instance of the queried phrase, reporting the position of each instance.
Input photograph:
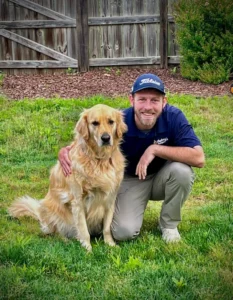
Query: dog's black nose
(105, 138)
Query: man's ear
(131, 99)
(82, 126)
(164, 101)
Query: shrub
(205, 37)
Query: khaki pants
(172, 184)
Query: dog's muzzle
(105, 138)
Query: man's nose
(148, 104)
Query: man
(160, 148)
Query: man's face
(148, 105)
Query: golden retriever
(83, 203)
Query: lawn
(34, 266)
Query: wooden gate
(33, 34)
(44, 34)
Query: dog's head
(101, 125)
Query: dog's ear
(82, 126)
(121, 126)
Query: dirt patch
(107, 81)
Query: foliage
(34, 266)
(70, 71)
(2, 75)
(205, 37)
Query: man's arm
(191, 156)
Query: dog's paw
(110, 242)
(86, 245)
(45, 228)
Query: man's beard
(150, 122)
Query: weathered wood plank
(41, 9)
(152, 7)
(72, 23)
(71, 32)
(61, 32)
(152, 39)
(126, 20)
(173, 48)
(139, 43)
(171, 6)
(117, 41)
(174, 60)
(31, 64)
(94, 42)
(82, 35)
(12, 45)
(127, 8)
(153, 60)
(37, 24)
(95, 46)
(98, 62)
(139, 7)
(106, 48)
(115, 8)
(35, 46)
(129, 33)
(164, 33)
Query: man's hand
(144, 162)
(64, 159)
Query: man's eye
(95, 123)
(110, 122)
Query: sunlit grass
(33, 266)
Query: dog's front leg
(108, 239)
(80, 223)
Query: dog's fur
(83, 203)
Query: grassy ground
(33, 266)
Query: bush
(205, 37)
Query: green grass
(33, 266)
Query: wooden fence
(46, 35)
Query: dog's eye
(95, 123)
(110, 122)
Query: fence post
(163, 34)
(83, 35)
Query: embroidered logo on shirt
(161, 141)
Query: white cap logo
(149, 80)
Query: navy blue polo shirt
(171, 129)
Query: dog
(82, 204)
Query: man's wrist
(154, 148)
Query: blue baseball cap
(148, 81)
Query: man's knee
(181, 173)
(124, 231)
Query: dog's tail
(25, 206)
